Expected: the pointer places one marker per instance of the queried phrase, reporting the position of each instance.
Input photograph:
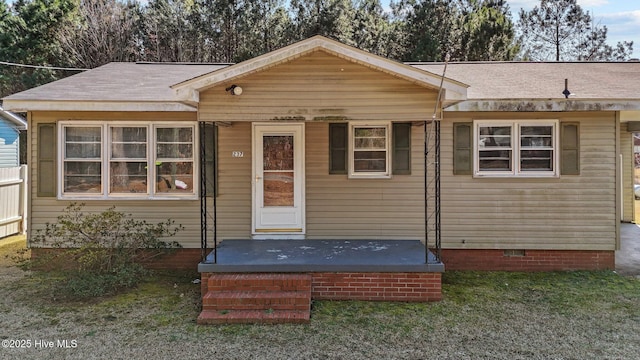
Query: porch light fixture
(234, 90)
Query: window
(369, 149)
(516, 148)
(137, 160)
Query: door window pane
(278, 175)
(278, 188)
(277, 152)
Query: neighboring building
(10, 127)
(319, 141)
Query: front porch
(254, 256)
(275, 280)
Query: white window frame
(105, 160)
(373, 174)
(516, 147)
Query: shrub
(100, 253)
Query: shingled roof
(115, 86)
(536, 80)
(609, 85)
(493, 86)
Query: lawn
(484, 315)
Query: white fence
(13, 200)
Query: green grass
(508, 315)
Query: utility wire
(42, 67)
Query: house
(319, 170)
(10, 127)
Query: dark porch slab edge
(252, 256)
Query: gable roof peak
(188, 91)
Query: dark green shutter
(401, 149)
(46, 160)
(462, 148)
(569, 149)
(210, 143)
(338, 148)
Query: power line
(41, 67)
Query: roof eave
(540, 105)
(52, 105)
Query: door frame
(298, 129)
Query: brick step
(207, 317)
(259, 282)
(256, 300)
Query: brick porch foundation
(415, 287)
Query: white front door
(278, 180)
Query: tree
(371, 30)
(487, 32)
(331, 18)
(428, 29)
(103, 32)
(30, 36)
(561, 30)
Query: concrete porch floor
(321, 256)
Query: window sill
(518, 176)
(129, 198)
(369, 176)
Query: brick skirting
(454, 259)
(527, 260)
(416, 287)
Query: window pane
(128, 177)
(82, 177)
(82, 134)
(82, 150)
(175, 151)
(82, 142)
(370, 161)
(370, 143)
(536, 136)
(536, 160)
(495, 160)
(129, 142)
(174, 134)
(494, 136)
(370, 132)
(174, 177)
(129, 134)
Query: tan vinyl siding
(338, 207)
(318, 86)
(234, 181)
(626, 147)
(572, 212)
(43, 210)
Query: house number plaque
(237, 154)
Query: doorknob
(258, 178)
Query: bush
(100, 253)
